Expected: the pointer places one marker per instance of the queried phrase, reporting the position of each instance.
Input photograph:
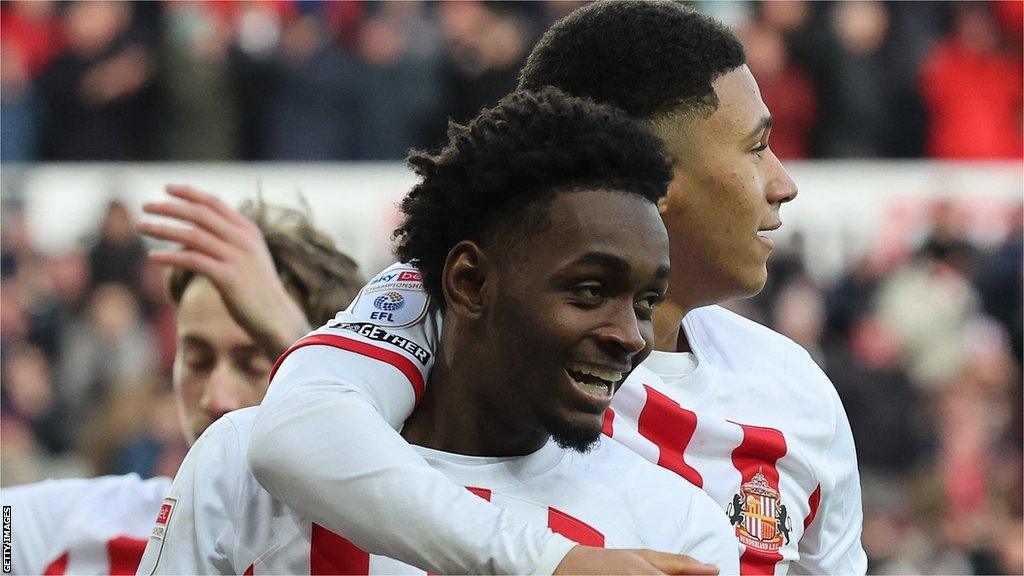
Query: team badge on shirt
(394, 298)
(759, 516)
(163, 517)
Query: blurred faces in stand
(972, 87)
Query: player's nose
(781, 187)
(622, 331)
(221, 394)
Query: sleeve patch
(394, 298)
(163, 518)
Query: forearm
(374, 489)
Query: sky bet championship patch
(394, 298)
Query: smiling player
(534, 343)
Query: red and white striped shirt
(756, 424)
(82, 526)
(218, 519)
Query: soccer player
(246, 284)
(727, 404)
(534, 343)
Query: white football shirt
(755, 423)
(82, 526)
(218, 519)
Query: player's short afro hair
(647, 57)
(529, 146)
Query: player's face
(218, 367)
(726, 192)
(572, 310)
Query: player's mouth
(596, 383)
(765, 239)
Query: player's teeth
(606, 375)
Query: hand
(229, 249)
(589, 560)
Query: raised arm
(220, 243)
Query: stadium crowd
(296, 80)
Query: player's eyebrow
(191, 340)
(764, 124)
(604, 259)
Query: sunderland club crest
(760, 519)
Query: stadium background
(899, 267)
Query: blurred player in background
(727, 404)
(246, 284)
(501, 415)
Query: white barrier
(843, 209)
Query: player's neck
(456, 416)
(668, 333)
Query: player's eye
(761, 147)
(589, 291)
(645, 306)
(196, 361)
(254, 367)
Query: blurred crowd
(304, 80)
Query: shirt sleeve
(38, 514)
(328, 427)
(831, 541)
(195, 528)
(709, 536)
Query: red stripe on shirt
(249, 571)
(125, 554)
(812, 503)
(574, 529)
(759, 451)
(332, 554)
(607, 429)
(58, 566)
(670, 426)
(403, 364)
(481, 492)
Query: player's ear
(464, 277)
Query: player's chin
(750, 278)
(574, 430)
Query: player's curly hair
(321, 278)
(648, 57)
(522, 150)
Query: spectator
(111, 347)
(203, 115)
(973, 91)
(118, 254)
(400, 51)
(785, 87)
(96, 92)
(486, 45)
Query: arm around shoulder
(325, 439)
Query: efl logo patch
(389, 302)
(394, 298)
(163, 517)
